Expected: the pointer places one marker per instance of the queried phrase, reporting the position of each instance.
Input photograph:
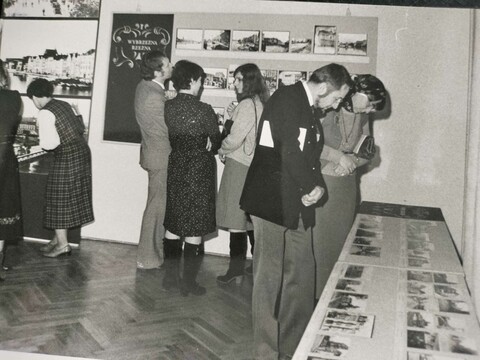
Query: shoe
(66, 250)
(228, 278)
(48, 247)
(191, 265)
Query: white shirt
(47, 132)
(159, 83)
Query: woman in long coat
(68, 197)
(194, 137)
(10, 205)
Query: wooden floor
(95, 304)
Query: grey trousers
(283, 297)
(150, 246)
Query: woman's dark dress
(191, 181)
(10, 203)
(68, 197)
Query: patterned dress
(10, 203)
(191, 182)
(68, 198)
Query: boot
(251, 237)
(192, 260)
(238, 254)
(172, 252)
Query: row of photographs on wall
(51, 8)
(66, 58)
(326, 41)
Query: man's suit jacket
(280, 175)
(149, 112)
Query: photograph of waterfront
(60, 51)
(51, 8)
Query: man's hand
(314, 195)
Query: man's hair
(4, 78)
(151, 61)
(333, 74)
(253, 82)
(40, 88)
(183, 73)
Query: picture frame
(271, 79)
(301, 45)
(275, 41)
(245, 40)
(51, 9)
(216, 78)
(352, 44)
(325, 38)
(189, 39)
(216, 40)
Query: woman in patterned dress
(68, 197)
(191, 189)
(10, 204)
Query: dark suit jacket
(280, 175)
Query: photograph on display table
(448, 291)
(419, 262)
(450, 323)
(423, 320)
(370, 251)
(370, 225)
(359, 325)
(419, 276)
(422, 340)
(329, 345)
(443, 278)
(348, 301)
(366, 241)
(216, 39)
(419, 288)
(423, 303)
(461, 345)
(417, 253)
(421, 356)
(419, 236)
(453, 306)
(350, 285)
(369, 233)
(356, 272)
(420, 245)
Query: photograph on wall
(61, 51)
(216, 39)
(287, 77)
(271, 79)
(230, 78)
(216, 78)
(275, 41)
(325, 39)
(352, 44)
(244, 40)
(189, 39)
(133, 35)
(301, 45)
(51, 8)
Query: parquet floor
(96, 304)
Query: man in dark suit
(283, 185)
(155, 69)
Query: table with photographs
(398, 292)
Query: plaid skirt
(68, 197)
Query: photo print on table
(353, 324)
(419, 288)
(423, 276)
(189, 39)
(423, 303)
(356, 272)
(448, 291)
(459, 344)
(349, 285)
(216, 78)
(271, 79)
(245, 40)
(369, 233)
(451, 323)
(366, 241)
(325, 39)
(348, 301)
(453, 306)
(330, 345)
(419, 262)
(369, 251)
(425, 340)
(444, 278)
(300, 45)
(216, 40)
(275, 41)
(422, 320)
(290, 77)
(352, 44)
(424, 356)
(420, 245)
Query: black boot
(192, 260)
(238, 254)
(251, 237)
(172, 252)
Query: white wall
(422, 58)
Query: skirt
(229, 214)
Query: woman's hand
(348, 163)
(231, 107)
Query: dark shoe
(172, 250)
(66, 250)
(238, 254)
(228, 278)
(48, 247)
(192, 260)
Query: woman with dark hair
(190, 213)
(342, 130)
(10, 205)
(68, 196)
(237, 151)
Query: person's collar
(307, 90)
(159, 83)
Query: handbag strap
(255, 129)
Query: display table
(398, 292)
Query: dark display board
(401, 211)
(132, 36)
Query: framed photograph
(216, 78)
(352, 44)
(51, 9)
(275, 41)
(271, 79)
(189, 39)
(216, 39)
(325, 39)
(301, 45)
(231, 79)
(245, 40)
(60, 51)
(287, 77)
